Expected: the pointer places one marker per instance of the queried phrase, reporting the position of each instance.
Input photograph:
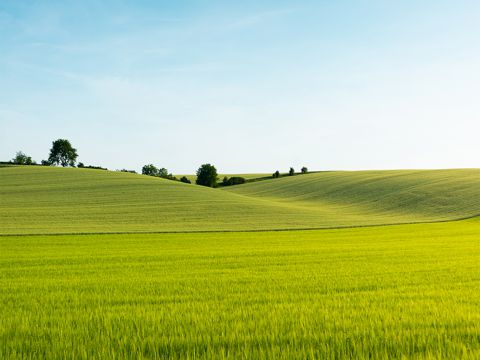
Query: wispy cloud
(259, 18)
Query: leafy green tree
(62, 153)
(22, 159)
(207, 175)
(276, 174)
(304, 170)
(163, 173)
(291, 172)
(150, 170)
(185, 180)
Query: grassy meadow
(108, 265)
(382, 292)
(48, 200)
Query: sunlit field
(383, 292)
(46, 200)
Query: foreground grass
(409, 290)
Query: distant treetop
(22, 159)
(207, 175)
(62, 153)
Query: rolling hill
(400, 194)
(47, 200)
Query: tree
(81, 165)
(62, 153)
(22, 159)
(304, 170)
(207, 175)
(185, 180)
(276, 174)
(150, 170)
(163, 173)
(291, 172)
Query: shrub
(163, 173)
(22, 159)
(185, 180)
(234, 180)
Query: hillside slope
(40, 200)
(405, 194)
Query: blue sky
(250, 86)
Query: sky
(249, 86)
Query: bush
(276, 174)
(185, 180)
(22, 159)
(234, 180)
(291, 172)
(304, 170)
(163, 173)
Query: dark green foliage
(163, 173)
(45, 163)
(291, 172)
(22, 159)
(150, 170)
(234, 180)
(304, 170)
(80, 165)
(128, 171)
(185, 180)
(276, 174)
(168, 176)
(62, 153)
(207, 175)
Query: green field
(81, 279)
(36, 200)
(409, 290)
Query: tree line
(64, 154)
